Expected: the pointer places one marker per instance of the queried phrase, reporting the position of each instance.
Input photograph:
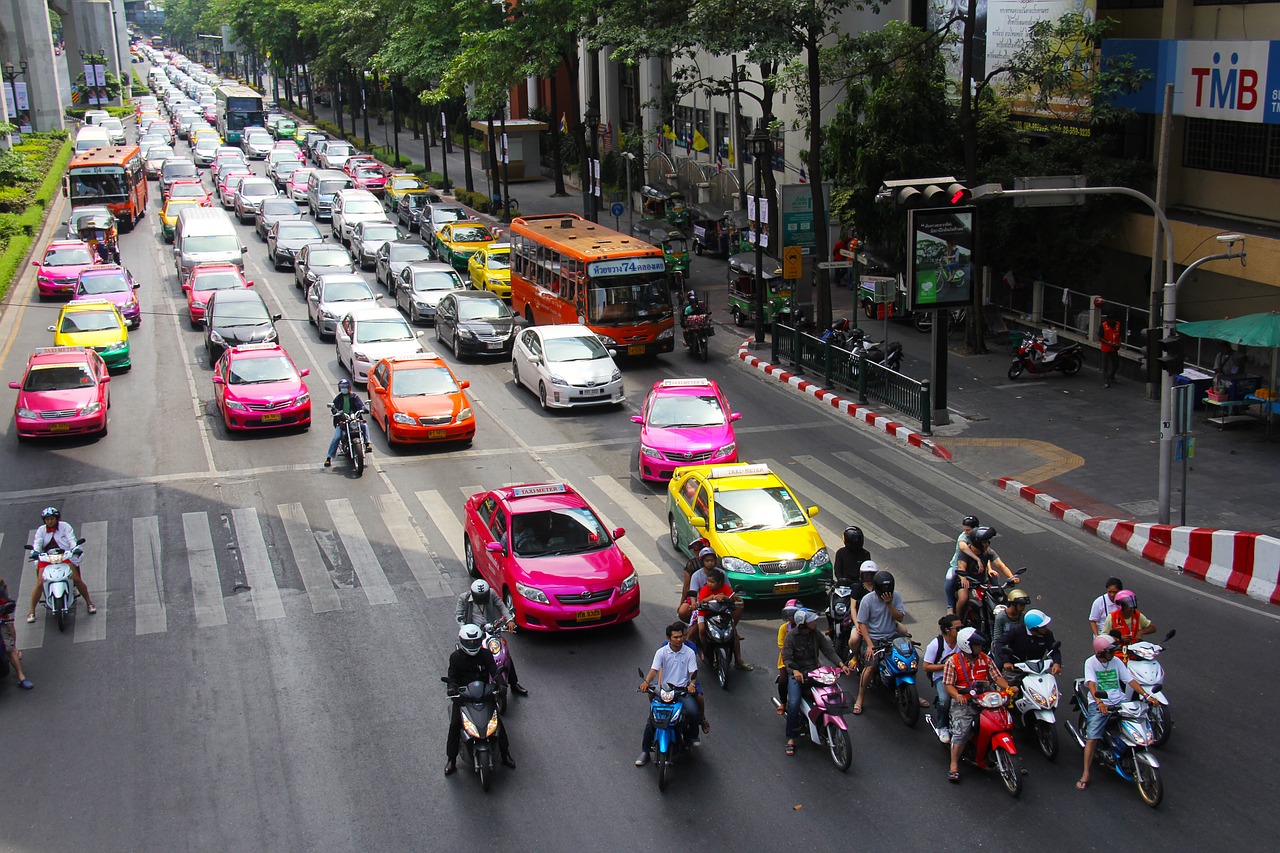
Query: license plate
(635, 349)
(593, 392)
(787, 586)
(435, 433)
(494, 344)
(270, 418)
(588, 615)
(60, 428)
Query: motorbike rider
(693, 305)
(788, 612)
(1012, 612)
(1104, 604)
(879, 619)
(867, 576)
(800, 656)
(347, 403)
(481, 605)
(717, 588)
(1027, 642)
(850, 557)
(964, 671)
(61, 534)
(676, 664)
(471, 661)
(936, 654)
(695, 576)
(8, 640)
(981, 566)
(1126, 623)
(964, 545)
(1104, 678)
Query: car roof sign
(544, 489)
(58, 350)
(252, 347)
(684, 383)
(721, 471)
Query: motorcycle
(992, 746)
(1037, 701)
(1148, 672)
(896, 662)
(351, 444)
(697, 329)
(1125, 743)
(720, 636)
(672, 734)
(480, 722)
(497, 646)
(984, 598)
(1035, 356)
(54, 568)
(840, 617)
(823, 705)
(956, 318)
(860, 345)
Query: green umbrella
(1251, 330)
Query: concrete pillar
(531, 86)
(27, 36)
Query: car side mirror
(276, 317)
(464, 384)
(306, 371)
(15, 385)
(812, 511)
(698, 522)
(420, 334)
(51, 328)
(217, 380)
(244, 250)
(377, 296)
(735, 416)
(248, 284)
(106, 379)
(637, 419)
(612, 352)
(136, 285)
(495, 547)
(619, 532)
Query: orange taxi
(416, 399)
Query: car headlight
(118, 345)
(735, 564)
(234, 404)
(402, 418)
(91, 409)
(199, 305)
(821, 558)
(303, 400)
(532, 593)
(271, 336)
(727, 449)
(25, 413)
(328, 315)
(131, 305)
(467, 333)
(556, 380)
(606, 340)
(359, 356)
(666, 334)
(652, 453)
(463, 416)
(616, 376)
(630, 583)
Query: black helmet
(884, 582)
(970, 521)
(853, 537)
(984, 534)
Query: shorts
(964, 719)
(1095, 722)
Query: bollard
(862, 378)
(773, 343)
(926, 419)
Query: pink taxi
(59, 269)
(550, 557)
(684, 422)
(63, 392)
(370, 177)
(257, 386)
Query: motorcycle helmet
(884, 582)
(698, 544)
(970, 521)
(50, 511)
(853, 537)
(479, 590)
(470, 639)
(1017, 596)
(968, 639)
(706, 552)
(984, 534)
(869, 567)
(1126, 598)
(1036, 619)
(344, 385)
(789, 609)
(692, 296)
(804, 616)
(1103, 643)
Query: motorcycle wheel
(1009, 774)
(486, 771)
(664, 769)
(922, 320)
(62, 614)
(1072, 366)
(1047, 738)
(1015, 370)
(722, 668)
(908, 703)
(839, 747)
(357, 457)
(1150, 785)
(703, 350)
(1161, 725)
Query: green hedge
(117, 112)
(20, 229)
(53, 180)
(10, 258)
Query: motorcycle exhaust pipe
(776, 703)
(1075, 733)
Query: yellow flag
(699, 142)
(731, 160)
(667, 132)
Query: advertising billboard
(940, 260)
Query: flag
(804, 179)
(564, 125)
(699, 141)
(667, 132)
(731, 162)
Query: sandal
(953, 777)
(31, 617)
(745, 667)
(706, 727)
(857, 709)
(791, 749)
(1081, 785)
(92, 609)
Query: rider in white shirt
(63, 535)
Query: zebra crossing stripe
(93, 571)
(372, 579)
(413, 545)
(445, 521)
(206, 583)
(641, 512)
(257, 565)
(302, 542)
(28, 636)
(642, 564)
(845, 515)
(149, 615)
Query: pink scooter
(823, 705)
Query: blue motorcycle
(1126, 743)
(896, 662)
(671, 732)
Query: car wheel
(469, 557)
(515, 373)
(454, 345)
(675, 533)
(413, 314)
(542, 394)
(195, 324)
(439, 339)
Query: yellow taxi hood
(763, 546)
(103, 338)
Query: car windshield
(217, 281)
(159, 152)
(769, 508)
(347, 291)
(68, 256)
(478, 234)
(206, 143)
(287, 168)
(367, 172)
(409, 252)
(297, 230)
(363, 206)
(423, 382)
(329, 258)
(260, 139)
(435, 281)
(255, 371)
(379, 232)
(686, 411)
(222, 243)
(279, 206)
(483, 309)
(415, 200)
(574, 349)
(113, 282)
(89, 321)
(567, 530)
(181, 169)
(405, 183)
(332, 186)
(443, 215)
(58, 377)
(499, 261)
(258, 188)
(247, 313)
(300, 176)
(374, 331)
(338, 149)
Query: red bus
(565, 269)
(111, 175)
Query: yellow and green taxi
(398, 186)
(97, 324)
(169, 215)
(456, 242)
(756, 525)
(490, 269)
(201, 132)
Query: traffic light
(1172, 359)
(915, 193)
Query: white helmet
(804, 616)
(479, 590)
(470, 639)
(968, 638)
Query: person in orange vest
(1110, 346)
(1126, 623)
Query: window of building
(1242, 148)
(684, 127)
(721, 140)
(779, 150)
(629, 97)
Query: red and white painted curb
(1242, 562)
(874, 419)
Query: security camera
(1228, 239)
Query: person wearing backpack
(936, 653)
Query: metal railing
(843, 368)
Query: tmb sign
(1225, 80)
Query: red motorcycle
(1037, 355)
(992, 747)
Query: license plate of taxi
(271, 418)
(60, 428)
(435, 433)
(787, 586)
(588, 615)
(635, 349)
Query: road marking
(413, 545)
(1058, 460)
(320, 589)
(642, 513)
(93, 571)
(373, 580)
(642, 564)
(149, 616)
(445, 521)
(868, 492)
(28, 636)
(257, 565)
(873, 532)
(202, 422)
(206, 583)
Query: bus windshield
(105, 184)
(629, 300)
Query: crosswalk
(224, 566)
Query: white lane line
(93, 571)
(642, 564)
(257, 565)
(836, 509)
(302, 542)
(869, 493)
(28, 636)
(373, 580)
(437, 509)
(413, 545)
(149, 615)
(206, 583)
(197, 408)
(651, 520)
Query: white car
(352, 206)
(250, 195)
(364, 337)
(566, 366)
(334, 296)
(421, 286)
(115, 129)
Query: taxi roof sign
(684, 383)
(534, 491)
(253, 347)
(721, 471)
(58, 350)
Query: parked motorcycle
(1148, 672)
(896, 662)
(672, 734)
(1037, 702)
(351, 445)
(1125, 744)
(823, 705)
(984, 598)
(1035, 356)
(54, 568)
(992, 747)
(480, 722)
(840, 617)
(720, 635)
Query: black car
(273, 210)
(391, 259)
(285, 239)
(317, 259)
(410, 206)
(234, 317)
(475, 321)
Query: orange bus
(111, 175)
(565, 269)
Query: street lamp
(11, 75)
(593, 125)
(760, 145)
(631, 211)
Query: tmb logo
(1228, 88)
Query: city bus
(237, 107)
(565, 269)
(110, 175)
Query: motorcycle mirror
(1057, 644)
(81, 541)
(1021, 571)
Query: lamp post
(760, 145)
(593, 125)
(11, 75)
(631, 211)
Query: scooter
(862, 346)
(1034, 356)
(54, 568)
(697, 330)
(823, 705)
(984, 598)
(992, 746)
(351, 445)
(1037, 702)
(672, 734)
(1125, 743)
(497, 646)
(840, 617)
(720, 636)
(480, 722)
(1148, 672)
(896, 662)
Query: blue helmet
(1036, 619)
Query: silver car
(422, 286)
(250, 195)
(257, 145)
(369, 236)
(333, 296)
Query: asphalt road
(263, 670)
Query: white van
(89, 137)
(205, 235)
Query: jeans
(688, 713)
(950, 586)
(941, 704)
(1110, 363)
(337, 437)
(795, 691)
